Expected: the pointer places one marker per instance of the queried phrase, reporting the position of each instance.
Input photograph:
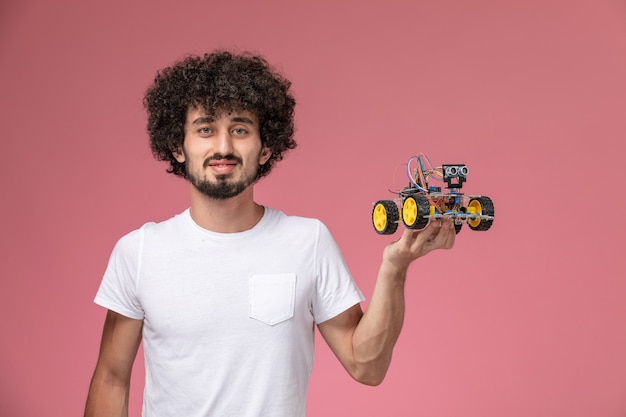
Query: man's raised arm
(363, 342)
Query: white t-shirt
(228, 318)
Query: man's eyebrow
(235, 119)
(202, 120)
(242, 119)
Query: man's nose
(224, 143)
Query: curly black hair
(217, 82)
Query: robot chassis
(419, 203)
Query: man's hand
(413, 244)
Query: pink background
(527, 319)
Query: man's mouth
(222, 162)
(221, 165)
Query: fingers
(437, 235)
(416, 243)
(446, 235)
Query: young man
(225, 295)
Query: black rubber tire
(388, 224)
(422, 208)
(486, 209)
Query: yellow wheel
(409, 212)
(415, 211)
(482, 206)
(385, 217)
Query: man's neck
(231, 215)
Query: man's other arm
(110, 384)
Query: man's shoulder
(176, 221)
(155, 228)
(311, 227)
(292, 220)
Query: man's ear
(179, 154)
(266, 152)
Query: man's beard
(221, 188)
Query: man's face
(222, 154)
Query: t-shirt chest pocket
(272, 297)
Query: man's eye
(204, 130)
(240, 131)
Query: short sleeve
(118, 289)
(336, 291)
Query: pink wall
(527, 319)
